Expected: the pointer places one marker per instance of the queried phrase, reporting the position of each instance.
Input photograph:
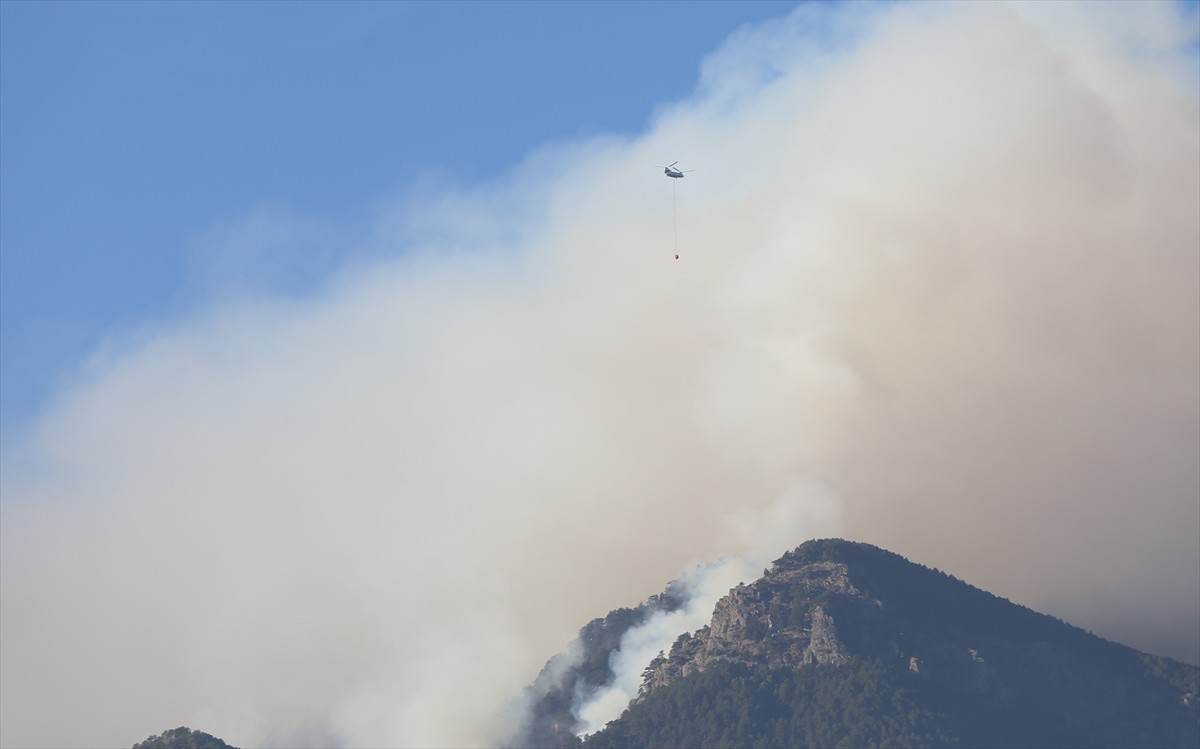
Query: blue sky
(939, 291)
(130, 130)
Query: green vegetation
(183, 738)
(552, 723)
(856, 705)
(867, 703)
(913, 657)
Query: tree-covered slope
(846, 644)
(183, 738)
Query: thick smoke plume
(804, 510)
(941, 259)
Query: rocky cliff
(843, 642)
(743, 630)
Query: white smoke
(806, 510)
(642, 643)
(941, 258)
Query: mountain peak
(183, 738)
(841, 641)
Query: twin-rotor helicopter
(674, 173)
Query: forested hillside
(846, 644)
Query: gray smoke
(804, 511)
(940, 259)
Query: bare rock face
(779, 620)
(823, 643)
(843, 643)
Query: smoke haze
(803, 510)
(939, 260)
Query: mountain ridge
(834, 620)
(183, 738)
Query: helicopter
(674, 173)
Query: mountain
(182, 738)
(846, 644)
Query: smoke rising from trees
(941, 260)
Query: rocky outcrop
(823, 643)
(779, 620)
(842, 643)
